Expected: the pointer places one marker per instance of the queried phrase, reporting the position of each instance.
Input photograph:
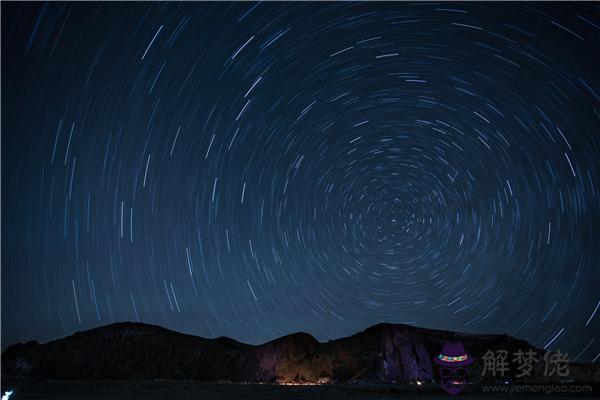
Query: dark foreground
(133, 390)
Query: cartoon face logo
(453, 364)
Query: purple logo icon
(453, 362)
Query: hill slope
(382, 353)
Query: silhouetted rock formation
(382, 353)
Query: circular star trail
(255, 169)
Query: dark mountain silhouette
(382, 353)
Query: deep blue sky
(252, 170)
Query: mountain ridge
(384, 352)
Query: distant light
(7, 395)
(419, 383)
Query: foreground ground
(121, 390)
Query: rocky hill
(382, 353)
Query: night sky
(251, 170)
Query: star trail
(256, 169)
